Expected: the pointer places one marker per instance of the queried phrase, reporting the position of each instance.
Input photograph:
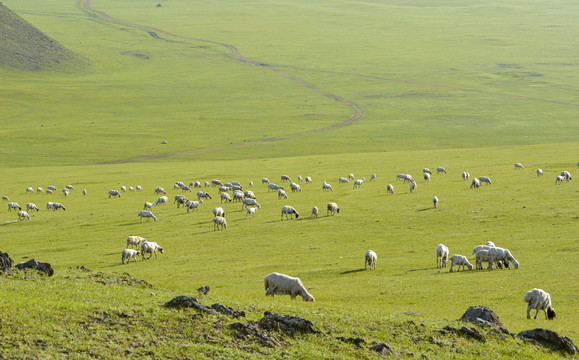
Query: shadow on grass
(351, 271)
(425, 209)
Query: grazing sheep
(193, 205)
(251, 184)
(160, 190)
(129, 254)
(238, 196)
(481, 248)
(216, 183)
(207, 184)
(485, 179)
(475, 182)
(31, 206)
(135, 241)
(219, 221)
(65, 192)
(351, 176)
(482, 255)
(490, 243)
(225, 196)
(372, 177)
(176, 186)
(285, 178)
(39, 190)
(540, 300)
(289, 210)
(185, 188)
(389, 189)
(235, 183)
(151, 248)
(50, 187)
(23, 215)
(440, 170)
(56, 206)
(148, 205)
(265, 181)
(308, 180)
(14, 206)
(401, 177)
(281, 194)
(332, 208)
(426, 177)
(295, 187)
(249, 202)
(123, 188)
(49, 192)
(224, 188)
(435, 202)
(559, 180)
(161, 200)
(315, 211)
(358, 183)
(539, 172)
(281, 284)
(5, 198)
(251, 212)
(427, 171)
(179, 184)
(203, 194)
(497, 253)
(249, 194)
(84, 192)
(30, 189)
(566, 175)
(114, 193)
(465, 176)
(326, 187)
(146, 214)
(131, 188)
(49, 205)
(343, 180)
(274, 187)
(139, 188)
(413, 186)
(370, 259)
(519, 166)
(180, 200)
(69, 187)
(459, 260)
(197, 184)
(300, 178)
(227, 184)
(219, 212)
(442, 253)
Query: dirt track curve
(357, 111)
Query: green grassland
(463, 85)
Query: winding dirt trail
(357, 111)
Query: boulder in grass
(33, 264)
(550, 339)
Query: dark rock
(228, 311)
(204, 290)
(252, 330)
(472, 332)
(383, 349)
(184, 301)
(549, 338)
(33, 264)
(5, 261)
(476, 313)
(356, 341)
(287, 324)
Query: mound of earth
(27, 48)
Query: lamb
(427, 171)
(435, 202)
(129, 254)
(326, 187)
(351, 176)
(203, 194)
(84, 192)
(343, 180)
(475, 182)
(358, 183)
(389, 189)
(300, 178)
(193, 205)
(426, 177)
(370, 259)
(14, 206)
(30, 189)
(442, 253)
(216, 183)
(23, 215)
(559, 180)
(219, 212)
(180, 200)
(5, 198)
(332, 208)
(308, 180)
(225, 196)
(123, 188)
(540, 300)
(289, 210)
(249, 194)
(146, 214)
(285, 178)
(440, 170)
(315, 211)
(519, 166)
(485, 179)
(295, 187)
(31, 206)
(281, 284)
(251, 212)
(274, 187)
(539, 172)
(114, 193)
(132, 189)
(151, 248)
(251, 184)
(249, 202)
(465, 176)
(39, 190)
(238, 196)
(161, 200)
(459, 260)
(372, 177)
(413, 186)
(148, 205)
(281, 194)
(497, 253)
(219, 221)
(135, 241)
(160, 190)
(265, 181)
(207, 184)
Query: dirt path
(357, 111)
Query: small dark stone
(356, 341)
(189, 302)
(287, 324)
(482, 312)
(383, 349)
(227, 311)
(472, 332)
(204, 290)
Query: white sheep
(442, 253)
(161, 200)
(281, 284)
(215, 182)
(69, 187)
(225, 196)
(132, 189)
(358, 183)
(135, 241)
(139, 188)
(207, 184)
(265, 181)
(197, 184)
(65, 192)
(519, 166)
(308, 180)
(465, 176)
(179, 184)
(482, 255)
(539, 172)
(413, 186)
(315, 211)
(490, 243)
(435, 202)
(56, 206)
(84, 192)
(326, 186)
(218, 211)
(401, 177)
(114, 193)
(300, 178)
(30, 189)
(23, 215)
(295, 187)
(146, 214)
(193, 205)
(236, 187)
(151, 248)
(426, 171)
(249, 194)
(31, 206)
(219, 221)
(566, 175)
(129, 254)
(274, 187)
(249, 202)
(285, 178)
(251, 212)
(148, 205)
(160, 190)
(224, 188)
(39, 190)
(343, 180)
(459, 260)
(13, 206)
(351, 176)
(481, 248)
(372, 177)
(389, 189)
(540, 300)
(180, 200)
(332, 208)
(426, 177)
(475, 182)
(559, 180)
(504, 255)
(370, 259)
(49, 192)
(49, 205)
(281, 194)
(185, 188)
(235, 183)
(251, 184)
(50, 187)
(203, 194)
(238, 196)
(123, 188)
(289, 210)
(440, 170)
(485, 179)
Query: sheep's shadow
(352, 271)
(426, 209)
(419, 269)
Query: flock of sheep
(281, 284)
